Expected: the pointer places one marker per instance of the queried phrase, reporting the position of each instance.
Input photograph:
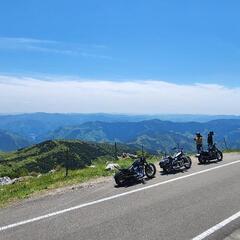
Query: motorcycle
(135, 173)
(213, 153)
(178, 161)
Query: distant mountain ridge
(10, 141)
(35, 126)
(154, 134)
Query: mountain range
(17, 131)
(154, 134)
(10, 141)
(35, 126)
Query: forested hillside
(21, 130)
(48, 155)
(155, 134)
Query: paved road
(163, 208)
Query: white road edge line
(111, 197)
(217, 227)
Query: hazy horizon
(123, 114)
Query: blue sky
(178, 42)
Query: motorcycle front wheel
(187, 162)
(150, 170)
(219, 156)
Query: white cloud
(53, 47)
(15, 40)
(22, 94)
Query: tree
(66, 161)
(115, 151)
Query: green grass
(232, 151)
(31, 185)
(48, 155)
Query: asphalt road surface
(178, 206)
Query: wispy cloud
(53, 47)
(91, 55)
(24, 40)
(25, 94)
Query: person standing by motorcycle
(210, 139)
(199, 142)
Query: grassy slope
(29, 186)
(232, 151)
(48, 155)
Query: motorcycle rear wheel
(201, 159)
(150, 170)
(166, 170)
(119, 179)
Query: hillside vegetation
(48, 155)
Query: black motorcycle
(179, 161)
(213, 153)
(135, 173)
